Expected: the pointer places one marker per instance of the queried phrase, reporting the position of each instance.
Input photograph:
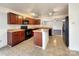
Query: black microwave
(25, 22)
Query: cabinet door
(12, 18)
(37, 22)
(31, 21)
(38, 38)
(19, 20)
(15, 38)
(21, 36)
(34, 22)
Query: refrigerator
(66, 31)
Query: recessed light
(50, 13)
(19, 17)
(33, 14)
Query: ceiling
(38, 9)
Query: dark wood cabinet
(19, 19)
(38, 38)
(15, 37)
(12, 18)
(33, 21)
(37, 22)
(21, 35)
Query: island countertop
(41, 30)
(40, 27)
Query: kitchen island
(41, 37)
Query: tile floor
(55, 47)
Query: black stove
(28, 32)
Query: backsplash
(14, 26)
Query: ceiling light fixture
(50, 13)
(33, 14)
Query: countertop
(15, 30)
(38, 29)
(41, 30)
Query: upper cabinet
(34, 21)
(18, 19)
(12, 18)
(31, 21)
(37, 21)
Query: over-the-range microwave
(25, 22)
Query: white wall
(3, 29)
(4, 26)
(5, 11)
(74, 27)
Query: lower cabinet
(15, 37)
(38, 38)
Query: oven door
(28, 33)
